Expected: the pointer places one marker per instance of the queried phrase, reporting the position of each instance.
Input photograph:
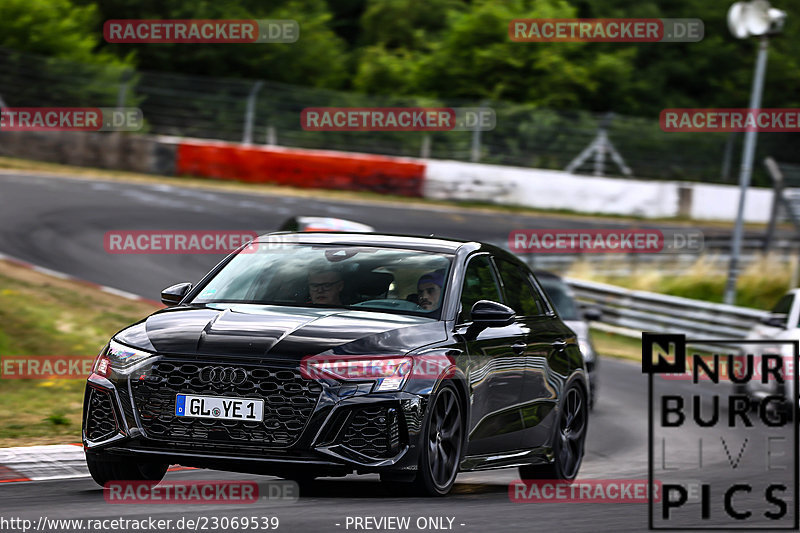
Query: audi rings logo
(223, 375)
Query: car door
(545, 360)
(494, 365)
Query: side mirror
(776, 320)
(592, 313)
(174, 294)
(489, 314)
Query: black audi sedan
(304, 355)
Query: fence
(631, 312)
(264, 112)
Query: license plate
(219, 407)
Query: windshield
(333, 276)
(558, 292)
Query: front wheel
(119, 469)
(568, 445)
(442, 439)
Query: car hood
(279, 332)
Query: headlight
(390, 373)
(119, 358)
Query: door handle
(559, 345)
(519, 348)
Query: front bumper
(348, 428)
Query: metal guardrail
(631, 312)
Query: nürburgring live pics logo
(705, 429)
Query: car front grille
(289, 400)
(101, 420)
(373, 431)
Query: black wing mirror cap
(174, 294)
(489, 314)
(776, 320)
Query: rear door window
(480, 283)
(520, 294)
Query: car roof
(428, 244)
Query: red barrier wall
(300, 168)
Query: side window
(541, 295)
(520, 294)
(479, 284)
(784, 305)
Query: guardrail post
(425, 150)
(777, 182)
(272, 136)
(725, 172)
(475, 152)
(122, 92)
(250, 114)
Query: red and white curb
(61, 275)
(40, 463)
(43, 463)
(61, 461)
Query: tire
(120, 469)
(784, 407)
(441, 448)
(741, 389)
(568, 441)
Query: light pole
(749, 19)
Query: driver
(429, 290)
(325, 287)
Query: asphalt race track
(60, 223)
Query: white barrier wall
(554, 189)
(719, 202)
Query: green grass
(759, 286)
(623, 347)
(41, 315)
(615, 345)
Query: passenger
(429, 290)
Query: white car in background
(576, 318)
(303, 223)
(781, 324)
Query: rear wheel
(568, 445)
(120, 469)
